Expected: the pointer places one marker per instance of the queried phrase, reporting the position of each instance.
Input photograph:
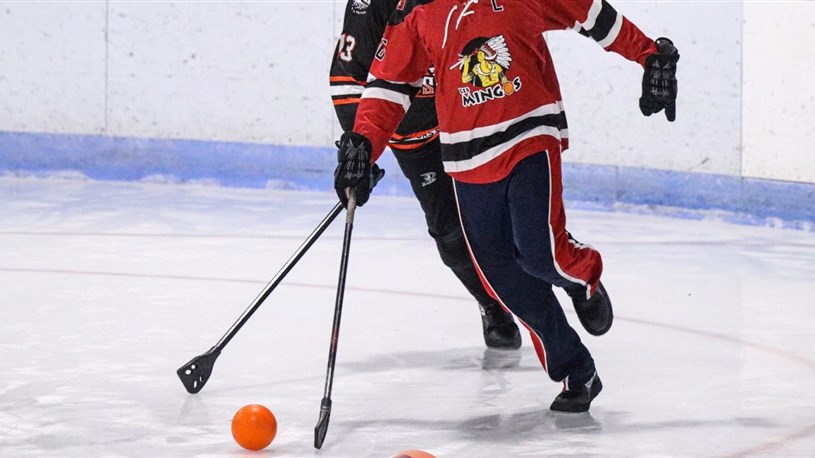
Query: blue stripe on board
(751, 201)
(117, 158)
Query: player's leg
(434, 191)
(554, 255)
(488, 226)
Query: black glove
(659, 81)
(354, 169)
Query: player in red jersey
(502, 131)
(415, 145)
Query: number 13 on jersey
(346, 47)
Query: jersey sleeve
(599, 20)
(396, 75)
(363, 26)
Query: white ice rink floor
(108, 288)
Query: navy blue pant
(516, 232)
(434, 190)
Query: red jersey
(497, 95)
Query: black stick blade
(194, 374)
(322, 424)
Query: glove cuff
(356, 140)
(665, 46)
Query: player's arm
(381, 109)
(396, 75)
(346, 89)
(363, 26)
(599, 20)
(398, 68)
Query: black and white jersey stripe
(603, 23)
(398, 93)
(466, 150)
(341, 90)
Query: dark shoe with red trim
(595, 314)
(578, 399)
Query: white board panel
(233, 71)
(779, 95)
(52, 67)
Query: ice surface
(108, 288)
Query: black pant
(434, 190)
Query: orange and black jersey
(498, 98)
(363, 27)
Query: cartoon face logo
(484, 63)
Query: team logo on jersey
(484, 63)
(428, 178)
(359, 6)
(428, 84)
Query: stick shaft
(335, 328)
(321, 429)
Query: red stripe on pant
(536, 341)
(511, 231)
(578, 263)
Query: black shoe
(500, 330)
(595, 314)
(578, 399)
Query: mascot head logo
(484, 63)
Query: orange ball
(413, 454)
(254, 427)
